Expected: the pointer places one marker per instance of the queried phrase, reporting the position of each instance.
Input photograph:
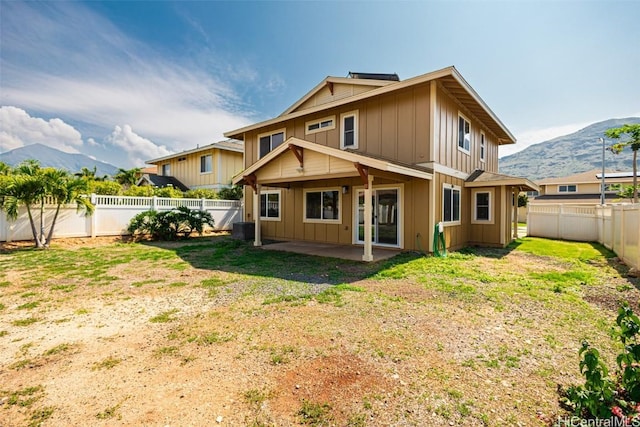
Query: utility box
(244, 230)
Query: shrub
(201, 193)
(602, 396)
(105, 188)
(233, 193)
(172, 192)
(139, 191)
(170, 225)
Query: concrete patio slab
(353, 253)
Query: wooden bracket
(251, 181)
(298, 152)
(330, 85)
(364, 173)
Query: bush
(602, 396)
(105, 188)
(233, 193)
(170, 225)
(172, 192)
(201, 193)
(139, 191)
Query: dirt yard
(158, 340)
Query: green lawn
(403, 341)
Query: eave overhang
(480, 179)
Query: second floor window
(464, 134)
(349, 131)
(166, 169)
(482, 147)
(567, 189)
(267, 142)
(206, 164)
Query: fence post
(154, 200)
(559, 222)
(93, 220)
(202, 204)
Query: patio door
(386, 214)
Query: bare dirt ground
(136, 352)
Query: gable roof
(592, 176)
(480, 178)
(226, 145)
(449, 77)
(161, 181)
(383, 165)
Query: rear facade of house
(373, 152)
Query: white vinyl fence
(616, 226)
(112, 215)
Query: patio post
(368, 223)
(256, 215)
(515, 212)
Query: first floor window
(206, 163)
(322, 205)
(482, 204)
(567, 189)
(268, 142)
(451, 203)
(464, 134)
(270, 205)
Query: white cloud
(530, 137)
(136, 148)
(105, 78)
(18, 128)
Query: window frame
(567, 188)
(283, 131)
(462, 147)
(483, 146)
(321, 220)
(266, 193)
(319, 122)
(204, 172)
(166, 167)
(474, 211)
(453, 189)
(343, 116)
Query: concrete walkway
(353, 253)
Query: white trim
(462, 149)
(567, 188)
(206, 171)
(344, 116)
(454, 188)
(483, 146)
(319, 122)
(283, 131)
(445, 170)
(266, 194)
(320, 220)
(400, 214)
(474, 211)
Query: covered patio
(348, 252)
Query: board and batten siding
(446, 150)
(340, 91)
(225, 165)
(291, 226)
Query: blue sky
(130, 81)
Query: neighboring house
(372, 160)
(161, 181)
(212, 166)
(582, 188)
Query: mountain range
(570, 154)
(50, 157)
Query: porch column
(515, 212)
(368, 223)
(256, 215)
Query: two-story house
(582, 188)
(374, 161)
(210, 166)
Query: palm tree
(90, 174)
(634, 142)
(128, 177)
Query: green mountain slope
(570, 154)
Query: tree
(632, 133)
(30, 185)
(90, 174)
(128, 177)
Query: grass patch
(40, 415)
(5, 284)
(211, 338)
(4, 333)
(108, 363)
(62, 348)
(110, 412)
(24, 397)
(315, 414)
(166, 351)
(63, 288)
(25, 322)
(20, 364)
(28, 306)
(2, 306)
(164, 317)
(144, 282)
(582, 251)
(177, 284)
(81, 312)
